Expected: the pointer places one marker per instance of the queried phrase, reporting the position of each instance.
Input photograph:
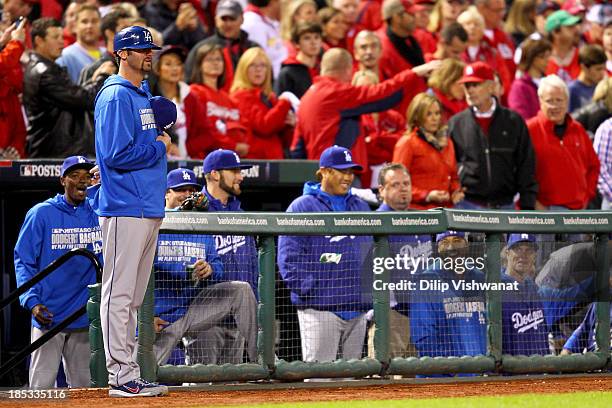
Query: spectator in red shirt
(564, 34)
(429, 155)
(297, 72)
(269, 119)
(369, 15)
(330, 110)
(381, 130)
(12, 126)
(493, 12)
(334, 26)
(350, 9)
(367, 51)
(220, 115)
(445, 86)
(400, 50)
(599, 16)
(452, 43)
(298, 11)
(523, 96)
(567, 166)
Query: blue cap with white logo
(450, 233)
(338, 157)
(134, 38)
(222, 159)
(514, 239)
(182, 178)
(76, 162)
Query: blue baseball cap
(514, 239)
(164, 111)
(450, 233)
(222, 159)
(76, 162)
(338, 157)
(134, 38)
(181, 178)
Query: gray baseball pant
(209, 309)
(129, 246)
(71, 347)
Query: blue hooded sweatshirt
(49, 230)
(449, 323)
(132, 163)
(303, 261)
(174, 287)
(238, 253)
(524, 326)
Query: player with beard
(131, 153)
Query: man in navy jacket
(323, 272)
(49, 230)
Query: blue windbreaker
(174, 287)
(132, 163)
(524, 326)
(450, 323)
(314, 282)
(49, 230)
(238, 253)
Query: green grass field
(572, 400)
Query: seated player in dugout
(524, 326)
(449, 322)
(193, 298)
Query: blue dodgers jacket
(448, 323)
(583, 338)
(175, 288)
(132, 163)
(324, 272)
(524, 326)
(238, 253)
(50, 229)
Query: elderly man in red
(567, 166)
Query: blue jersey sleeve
(27, 254)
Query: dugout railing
(380, 225)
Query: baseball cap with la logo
(338, 157)
(182, 178)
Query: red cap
(477, 72)
(574, 7)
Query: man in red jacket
(493, 12)
(330, 109)
(567, 166)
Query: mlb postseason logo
(40, 170)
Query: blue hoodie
(50, 229)
(238, 253)
(450, 323)
(174, 287)
(524, 326)
(132, 163)
(314, 282)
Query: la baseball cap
(181, 178)
(164, 111)
(222, 159)
(560, 18)
(76, 162)
(477, 72)
(229, 8)
(514, 239)
(392, 7)
(450, 233)
(338, 157)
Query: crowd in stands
(275, 79)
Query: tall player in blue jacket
(323, 272)
(524, 326)
(49, 230)
(130, 204)
(452, 322)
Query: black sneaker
(138, 388)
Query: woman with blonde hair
(444, 85)
(598, 110)
(444, 13)
(270, 119)
(297, 11)
(429, 155)
(520, 22)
